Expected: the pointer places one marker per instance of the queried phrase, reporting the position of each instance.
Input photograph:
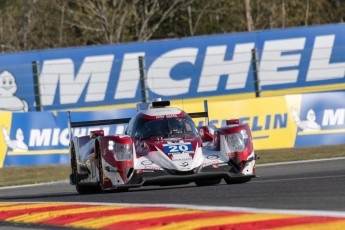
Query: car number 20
(178, 148)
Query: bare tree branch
(248, 15)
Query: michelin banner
(39, 138)
(294, 60)
(276, 122)
(287, 121)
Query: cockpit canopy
(144, 128)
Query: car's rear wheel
(208, 182)
(75, 178)
(74, 174)
(81, 189)
(100, 173)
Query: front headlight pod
(123, 152)
(237, 142)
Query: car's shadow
(71, 195)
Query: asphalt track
(302, 186)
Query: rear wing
(201, 114)
(77, 124)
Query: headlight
(237, 142)
(122, 152)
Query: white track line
(33, 185)
(297, 178)
(298, 162)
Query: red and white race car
(161, 146)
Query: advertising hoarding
(291, 61)
(276, 122)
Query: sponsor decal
(184, 164)
(332, 121)
(257, 123)
(308, 124)
(59, 137)
(320, 119)
(153, 168)
(166, 116)
(212, 157)
(147, 162)
(8, 100)
(211, 163)
(182, 159)
(17, 144)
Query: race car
(161, 146)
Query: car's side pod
(235, 140)
(115, 155)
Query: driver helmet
(176, 126)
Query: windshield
(168, 127)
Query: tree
(149, 15)
(99, 22)
(43, 24)
(250, 25)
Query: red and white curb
(129, 216)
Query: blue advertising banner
(289, 121)
(321, 120)
(36, 138)
(292, 60)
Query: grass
(300, 153)
(10, 176)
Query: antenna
(206, 110)
(69, 125)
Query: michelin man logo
(8, 101)
(306, 125)
(16, 145)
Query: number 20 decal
(178, 148)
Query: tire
(208, 182)
(100, 171)
(74, 172)
(81, 189)
(237, 181)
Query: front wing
(167, 177)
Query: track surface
(317, 185)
